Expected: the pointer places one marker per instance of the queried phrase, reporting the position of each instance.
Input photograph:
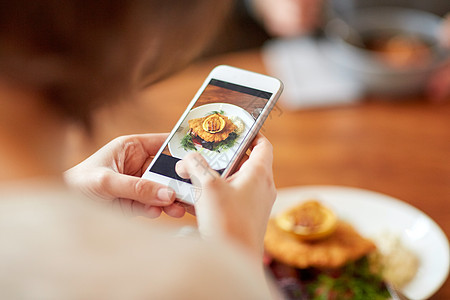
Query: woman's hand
(113, 174)
(438, 88)
(237, 207)
(288, 17)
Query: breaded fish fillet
(343, 246)
(196, 127)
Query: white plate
(216, 160)
(372, 214)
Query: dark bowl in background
(350, 52)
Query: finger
(151, 142)
(174, 210)
(246, 156)
(141, 210)
(261, 150)
(242, 161)
(259, 161)
(438, 86)
(153, 211)
(187, 207)
(195, 167)
(137, 189)
(444, 35)
(132, 208)
(181, 169)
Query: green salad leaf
(229, 142)
(357, 282)
(220, 112)
(187, 144)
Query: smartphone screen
(217, 124)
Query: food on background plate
(215, 132)
(400, 50)
(340, 247)
(308, 221)
(399, 264)
(340, 264)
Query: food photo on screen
(215, 127)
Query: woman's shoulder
(57, 242)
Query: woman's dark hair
(81, 54)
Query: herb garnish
(216, 112)
(187, 143)
(227, 143)
(357, 282)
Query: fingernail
(179, 168)
(165, 194)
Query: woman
(58, 62)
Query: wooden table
(399, 148)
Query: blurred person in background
(291, 18)
(59, 61)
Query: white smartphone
(220, 123)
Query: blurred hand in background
(288, 17)
(438, 88)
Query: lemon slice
(213, 124)
(308, 221)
